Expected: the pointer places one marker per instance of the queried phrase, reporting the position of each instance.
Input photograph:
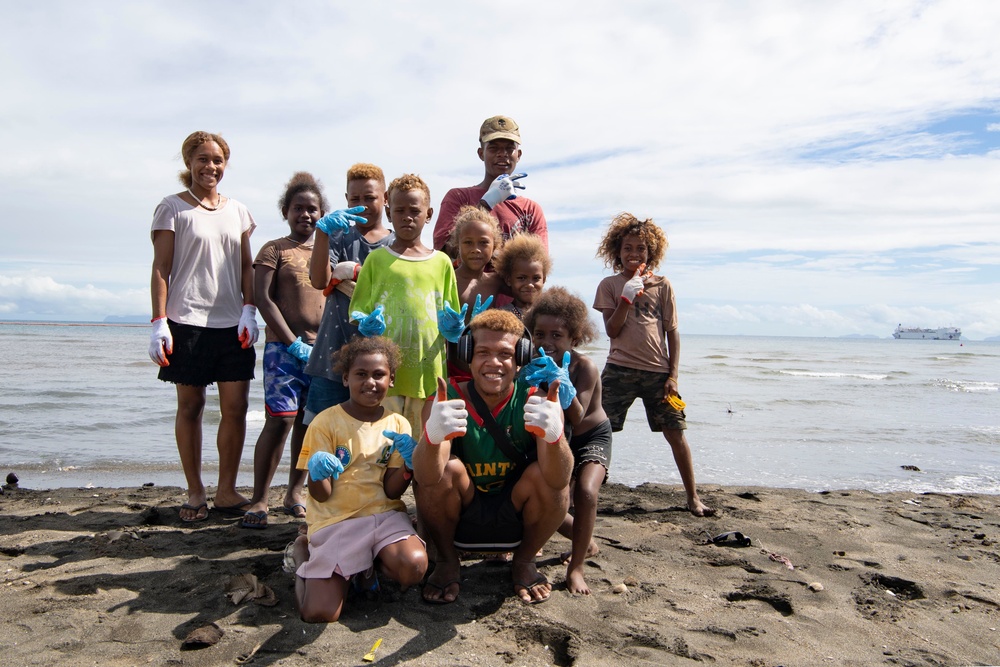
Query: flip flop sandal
(519, 586)
(733, 538)
(197, 510)
(442, 588)
(233, 510)
(290, 510)
(254, 520)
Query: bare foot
(443, 586)
(699, 508)
(575, 583)
(592, 550)
(529, 584)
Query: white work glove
(247, 329)
(635, 286)
(346, 270)
(543, 416)
(447, 418)
(161, 342)
(502, 188)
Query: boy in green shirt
(405, 285)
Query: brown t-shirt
(642, 341)
(299, 302)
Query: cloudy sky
(821, 168)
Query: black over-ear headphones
(522, 348)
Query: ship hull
(913, 333)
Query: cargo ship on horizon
(916, 333)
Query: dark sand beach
(111, 577)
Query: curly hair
(302, 181)
(560, 302)
(623, 225)
(191, 144)
(466, 216)
(360, 345)
(364, 171)
(497, 320)
(408, 182)
(527, 247)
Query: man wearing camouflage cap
(500, 151)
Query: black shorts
(490, 523)
(594, 446)
(202, 356)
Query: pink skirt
(350, 546)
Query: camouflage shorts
(620, 386)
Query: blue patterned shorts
(285, 381)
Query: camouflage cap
(499, 127)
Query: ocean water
(81, 405)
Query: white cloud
(788, 130)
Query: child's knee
(412, 568)
(320, 615)
(318, 608)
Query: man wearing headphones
(492, 467)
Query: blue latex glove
(323, 465)
(543, 369)
(451, 322)
(540, 369)
(479, 306)
(502, 188)
(404, 444)
(370, 325)
(340, 221)
(300, 350)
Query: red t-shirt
(515, 216)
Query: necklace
(203, 205)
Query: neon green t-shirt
(412, 291)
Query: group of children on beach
(362, 320)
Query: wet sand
(111, 577)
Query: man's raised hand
(502, 188)
(447, 418)
(543, 416)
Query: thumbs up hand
(447, 418)
(543, 416)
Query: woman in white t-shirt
(204, 319)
